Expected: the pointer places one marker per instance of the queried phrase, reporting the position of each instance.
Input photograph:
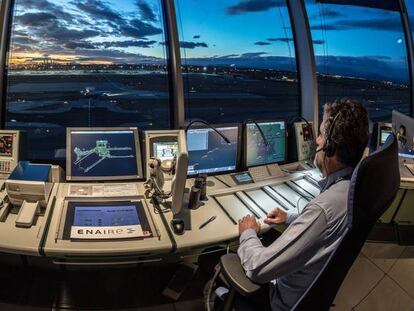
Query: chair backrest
(372, 189)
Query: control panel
(12, 150)
(305, 140)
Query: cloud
(228, 56)
(253, 54)
(46, 6)
(139, 29)
(99, 10)
(248, 6)
(146, 12)
(384, 24)
(318, 42)
(329, 13)
(192, 45)
(36, 19)
(82, 45)
(261, 43)
(280, 39)
(23, 40)
(116, 56)
(63, 34)
(128, 43)
(196, 37)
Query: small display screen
(257, 152)
(208, 152)
(6, 145)
(307, 132)
(106, 220)
(243, 178)
(103, 216)
(103, 153)
(165, 150)
(385, 132)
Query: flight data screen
(103, 153)
(166, 150)
(105, 216)
(257, 152)
(208, 152)
(6, 145)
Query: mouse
(177, 225)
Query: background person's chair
(373, 186)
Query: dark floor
(134, 288)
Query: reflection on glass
(85, 63)
(361, 53)
(238, 60)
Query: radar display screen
(6, 145)
(103, 153)
(165, 150)
(257, 152)
(208, 152)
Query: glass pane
(238, 60)
(361, 54)
(85, 63)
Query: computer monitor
(103, 154)
(403, 126)
(255, 148)
(209, 153)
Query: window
(85, 63)
(238, 60)
(361, 53)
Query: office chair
(372, 189)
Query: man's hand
(248, 222)
(276, 216)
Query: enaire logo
(103, 231)
(113, 232)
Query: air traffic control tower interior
(135, 134)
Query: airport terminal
(207, 155)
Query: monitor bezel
(245, 143)
(69, 176)
(238, 149)
(381, 126)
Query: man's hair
(350, 133)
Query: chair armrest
(233, 272)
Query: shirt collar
(335, 177)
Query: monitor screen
(6, 145)
(103, 154)
(403, 126)
(105, 216)
(257, 153)
(384, 133)
(165, 150)
(209, 153)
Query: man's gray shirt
(292, 262)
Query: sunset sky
(347, 40)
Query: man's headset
(330, 147)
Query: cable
(260, 130)
(210, 289)
(210, 126)
(297, 202)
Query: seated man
(292, 261)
